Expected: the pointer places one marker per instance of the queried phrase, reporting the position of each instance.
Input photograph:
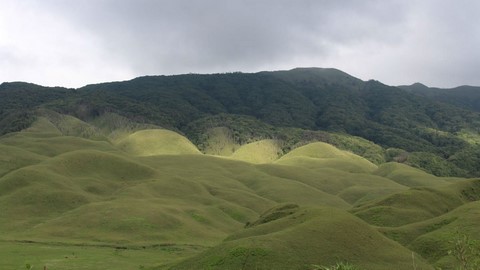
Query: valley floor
(50, 256)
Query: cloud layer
(72, 43)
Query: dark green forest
(424, 128)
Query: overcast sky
(77, 42)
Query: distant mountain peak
(416, 87)
(417, 84)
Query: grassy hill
(95, 192)
(234, 171)
(430, 221)
(156, 142)
(322, 155)
(263, 151)
(316, 236)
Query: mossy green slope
(45, 139)
(60, 194)
(263, 151)
(157, 142)
(354, 188)
(214, 173)
(13, 158)
(411, 177)
(438, 235)
(418, 204)
(108, 181)
(69, 189)
(89, 195)
(42, 125)
(429, 220)
(116, 127)
(36, 193)
(323, 155)
(68, 125)
(434, 237)
(310, 236)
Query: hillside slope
(318, 236)
(311, 99)
(235, 171)
(69, 182)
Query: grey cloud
(395, 41)
(442, 48)
(183, 36)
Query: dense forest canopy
(427, 123)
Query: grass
(70, 126)
(103, 196)
(411, 177)
(323, 155)
(434, 237)
(50, 145)
(153, 142)
(17, 255)
(311, 236)
(418, 204)
(13, 158)
(359, 146)
(354, 188)
(116, 127)
(153, 188)
(263, 151)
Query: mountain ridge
(303, 98)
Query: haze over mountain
(285, 169)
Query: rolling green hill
(430, 221)
(100, 193)
(318, 236)
(263, 151)
(153, 142)
(273, 170)
(322, 155)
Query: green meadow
(17, 255)
(122, 195)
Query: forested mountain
(302, 169)
(305, 98)
(463, 96)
